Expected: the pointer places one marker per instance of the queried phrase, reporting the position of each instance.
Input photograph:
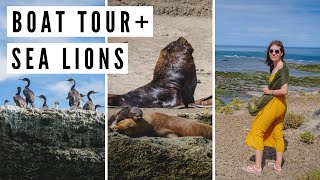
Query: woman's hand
(266, 90)
(279, 92)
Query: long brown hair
(268, 61)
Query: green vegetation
(293, 120)
(237, 80)
(307, 137)
(305, 81)
(314, 68)
(236, 104)
(228, 82)
(312, 175)
(222, 92)
(218, 103)
(252, 102)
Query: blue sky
(53, 86)
(257, 23)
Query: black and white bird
(89, 104)
(28, 93)
(97, 106)
(56, 105)
(44, 105)
(19, 100)
(6, 102)
(73, 96)
(81, 96)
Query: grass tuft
(293, 120)
(307, 137)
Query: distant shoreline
(230, 85)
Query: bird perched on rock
(44, 106)
(19, 100)
(6, 102)
(81, 97)
(73, 95)
(97, 106)
(28, 93)
(89, 104)
(56, 105)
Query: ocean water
(251, 58)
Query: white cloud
(3, 70)
(88, 86)
(60, 88)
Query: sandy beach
(299, 158)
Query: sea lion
(207, 101)
(132, 113)
(173, 84)
(164, 126)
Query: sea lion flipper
(115, 118)
(111, 119)
(172, 136)
(114, 128)
(166, 133)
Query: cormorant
(6, 102)
(19, 99)
(97, 106)
(56, 105)
(44, 106)
(81, 97)
(89, 104)
(28, 93)
(73, 96)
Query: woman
(270, 109)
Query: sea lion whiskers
(135, 113)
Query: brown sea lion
(132, 113)
(173, 84)
(204, 101)
(164, 126)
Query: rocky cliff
(51, 144)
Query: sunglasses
(277, 51)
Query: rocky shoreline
(230, 85)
